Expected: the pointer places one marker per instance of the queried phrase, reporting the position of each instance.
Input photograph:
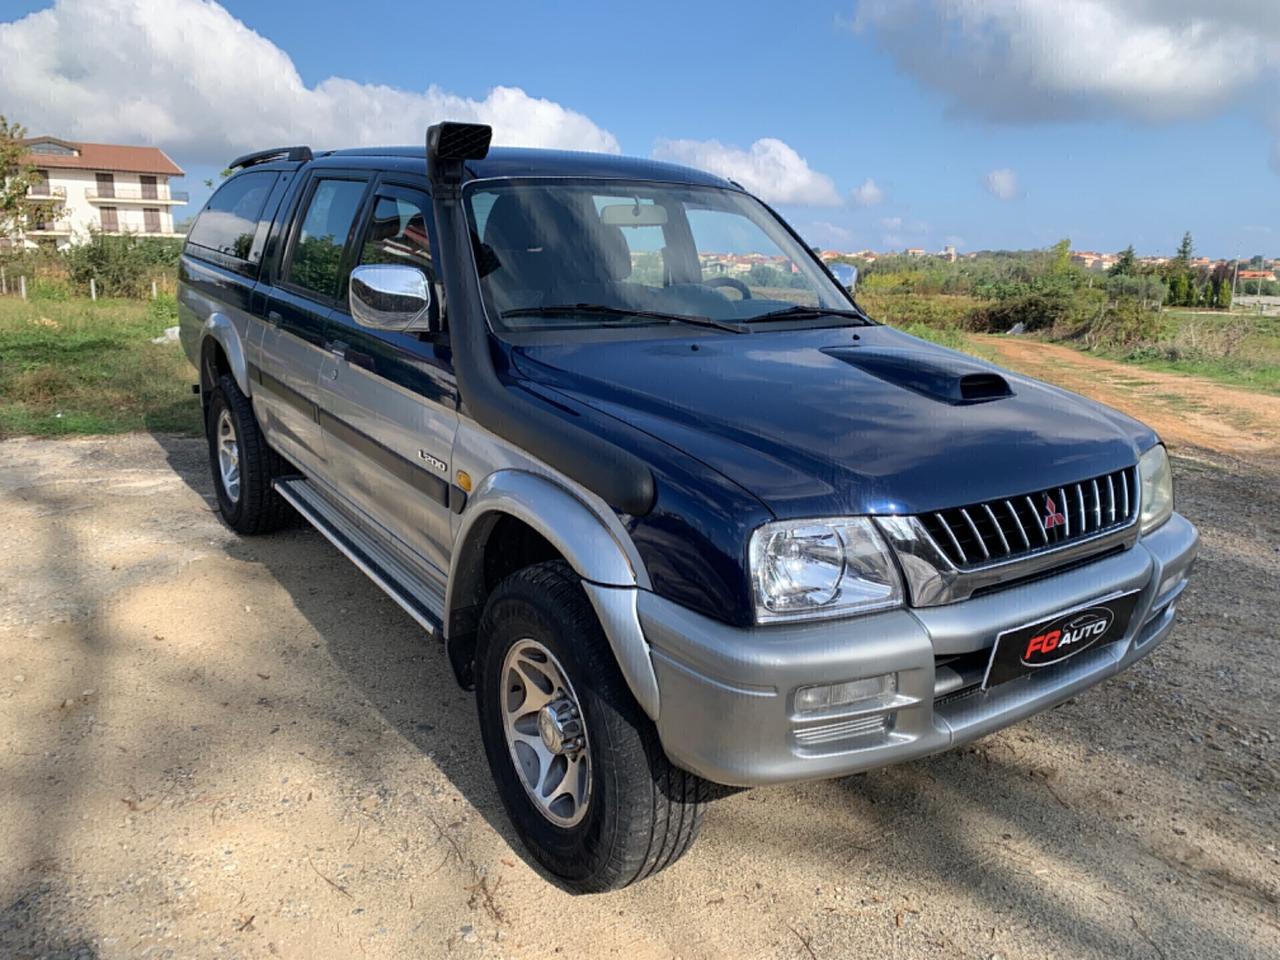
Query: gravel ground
(214, 747)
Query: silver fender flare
(611, 572)
(222, 331)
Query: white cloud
(868, 194)
(891, 223)
(769, 168)
(188, 76)
(1029, 61)
(1002, 183)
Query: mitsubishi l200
(681, 524)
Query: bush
(1035, 311)
(1120, 324)
(121, 266)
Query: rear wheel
(243, 465)
(577, 763)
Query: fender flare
(611, 573)
(222, 331)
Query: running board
(415, 595)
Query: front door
(390, 405)
(106, 185)
(149, 191)
(298, 307)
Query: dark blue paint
(812, 435)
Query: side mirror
(391, 296)
(846, 274)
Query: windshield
(568, 254)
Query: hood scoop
(949, 379)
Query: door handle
(273, 316)
(338, 348)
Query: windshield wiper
(605, 310)
(799, 312)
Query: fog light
(825, 695)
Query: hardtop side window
(316, 261)
(229, 220)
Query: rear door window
(230, 219)
(316, 261)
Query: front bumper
(727, 695)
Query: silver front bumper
(727, 695)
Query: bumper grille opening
(958, 676)
(857, 727)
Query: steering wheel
(733, 282)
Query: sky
(1003, 124)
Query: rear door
(297, 307)
(390, 406)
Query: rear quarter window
(233, 217)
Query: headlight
(821, 568)
(1157, 488)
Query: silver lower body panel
(727, 695)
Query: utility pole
(1234, 273)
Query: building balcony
(43, 191)
(49, 228)
(119, 195)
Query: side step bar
(418, 598)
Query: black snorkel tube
(617, 476)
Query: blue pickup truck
(682, 524)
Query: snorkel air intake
(618, 477)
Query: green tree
(1185, 249)
(1060, 257)
(15, 177)
(1126, 264)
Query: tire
(642, 812)
(250, 504)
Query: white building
(99, 186)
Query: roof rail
(299, 154)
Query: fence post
(4, 282)
(93, 289)
(22, 286)
(153, 289)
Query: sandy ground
(215, 747)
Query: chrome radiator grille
(990, 532)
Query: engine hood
(861, 420)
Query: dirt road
(1183, 410)
(214, 747)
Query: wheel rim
(546, 735)
(228, 456)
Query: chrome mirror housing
(846, 274)
(391, 296)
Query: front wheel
(577, 764)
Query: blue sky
(1000, 129)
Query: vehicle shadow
(401, 672)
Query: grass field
(79, 367)
(1239, 349)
